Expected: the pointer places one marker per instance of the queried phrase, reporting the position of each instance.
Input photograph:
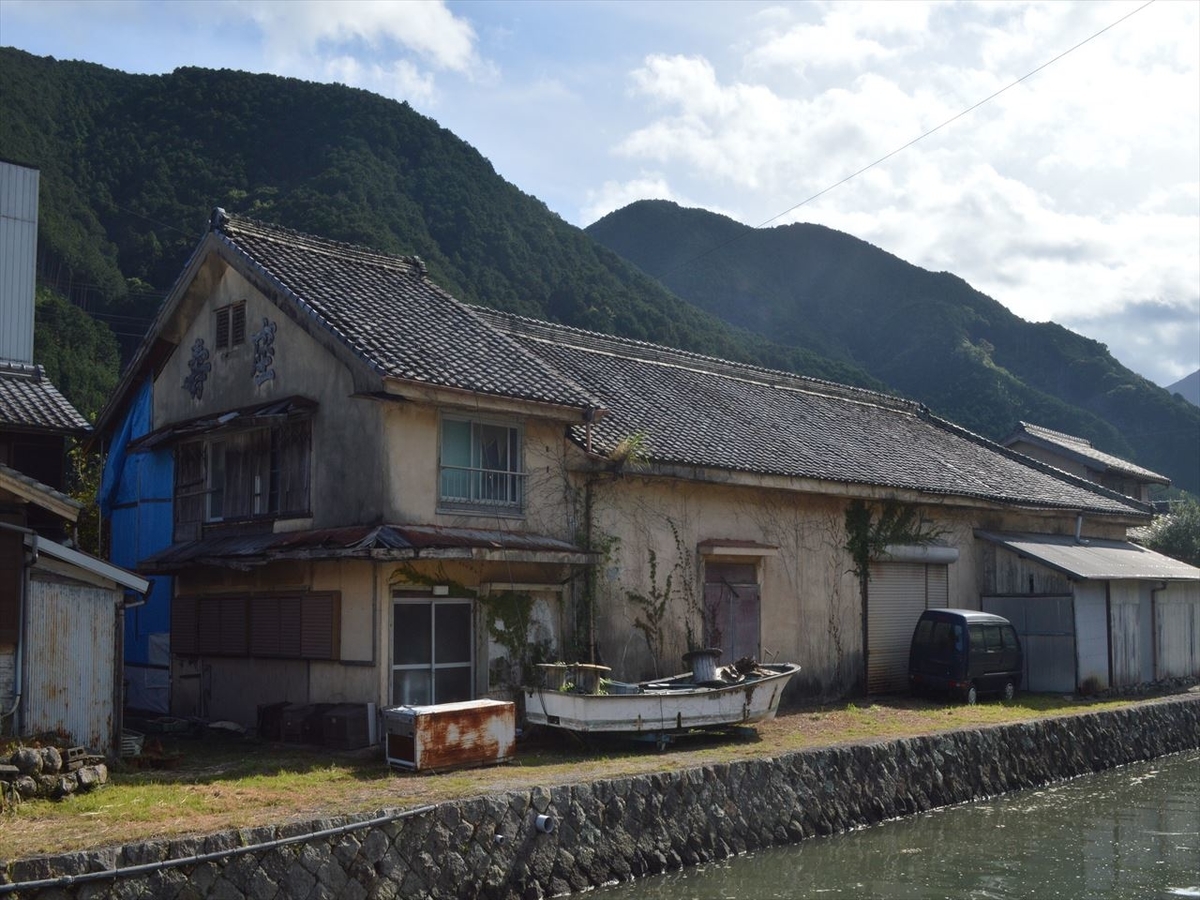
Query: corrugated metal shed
(71, 661)
(18, 255)
(1093, 559)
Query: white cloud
(426, 28)
(614, 195)
(845, 38)
(1070, 197)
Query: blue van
(965, 653)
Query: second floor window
(480, 466)
(231, 325)
(255, 473)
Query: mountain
(132, 165)
(928, 335)
(1187, 387)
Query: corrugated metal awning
(287, 408)
(377, 542)
(1092, 558)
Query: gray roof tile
(1082, 450)
(700, 411)
(386, 310)
(29, 401)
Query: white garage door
(896, 596)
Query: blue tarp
(136, 495)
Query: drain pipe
(19, 659)
(1079, 529)
(146, 868)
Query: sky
(1072, 195)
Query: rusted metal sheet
(361, 541)
(450, 735)
(71, 662)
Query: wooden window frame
(230, 328)
(300, 625)
(273, 462)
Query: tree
(1177, 534)
(78, 353)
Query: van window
(977, 643)
(991, 634)
(924, 632)
(1009, 636)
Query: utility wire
(915, 140)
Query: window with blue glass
(480, 466)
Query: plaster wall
(412, 434)
(811, 608)
(347, 481)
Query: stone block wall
(617, 829)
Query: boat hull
(669, 707)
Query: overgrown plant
(510, 624)
(653, 606)
(870, 531)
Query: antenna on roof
(217, 218)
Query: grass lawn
(221, 781)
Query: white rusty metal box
(450, 735)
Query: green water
(1130, 833)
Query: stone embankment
(551, 841)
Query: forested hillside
(131, 166)
(929, 335)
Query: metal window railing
(474, 486)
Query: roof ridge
(646, 351)
(14, 367)
(1038, 464)
(1043, 431)
(410, 263)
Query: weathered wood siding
(1177, 630)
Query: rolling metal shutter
(897, 594)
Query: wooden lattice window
(297, 626)
(231, 325)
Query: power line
(915, 140)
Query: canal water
(1132, 832)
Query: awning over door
(1093, 558)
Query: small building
(1093, 613)
(1077, 456)
(60, 610)
(365, 491)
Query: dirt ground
(207, 781)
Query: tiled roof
(1082, 450)
(29, 401)
(699, 411)
(13, 480)
(386, 310)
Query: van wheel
(971, 696)
(1009, 690)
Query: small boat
(575, 699)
